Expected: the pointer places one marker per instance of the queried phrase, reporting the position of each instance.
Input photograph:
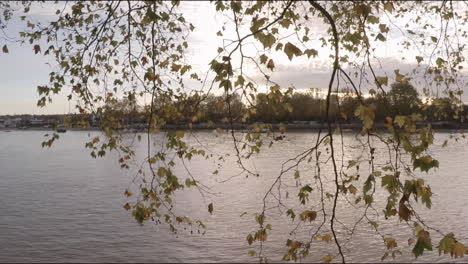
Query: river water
(60, 205)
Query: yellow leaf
(180, 133)
(327, 259)
(326, 238)
(458, 250)
(128, 193)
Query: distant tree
(404, 99)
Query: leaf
(308, 215)
(439, 62)
(367, 115)
(5, 49)
(292, 50)
(311, 52)
(266, 40)
(400, 120)
(458, 250)
(383, 28)
(419, 59)
(380, 37)
(423, 242)
(263, 59)
(127, 206)
(37, 49)
(373, 19)
(425, 163)
(179, 133)
(382, 80)
(291, 213)
(270, 64)
(250, 239)
(326, 238)
(390, 243)
(388, 6)
(404, 212)
(327, 259)
(447, 244)
(398, 76)
(210, 208)
(240, 81)
(296, 175)
(434, 39)
(279, 46)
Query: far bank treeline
(273, 107)
(277, 106)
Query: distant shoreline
(439, 126)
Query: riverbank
(303, 126)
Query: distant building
(37, 123)
(10, 123)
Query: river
(60, 205)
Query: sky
(21, 71)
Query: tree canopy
(111, 55)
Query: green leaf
(447, 244)
(296, 175)
(250, 239)
(425, 163)
(419, 59)
(388, 6)
(439, 62)
(5, 49)
(292, 50)
(267, 40)
(423, 242)
(291, 213)
(380, 37)
(373, 19)
(210, 208)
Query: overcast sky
(21, 71)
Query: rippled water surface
(60, 205)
